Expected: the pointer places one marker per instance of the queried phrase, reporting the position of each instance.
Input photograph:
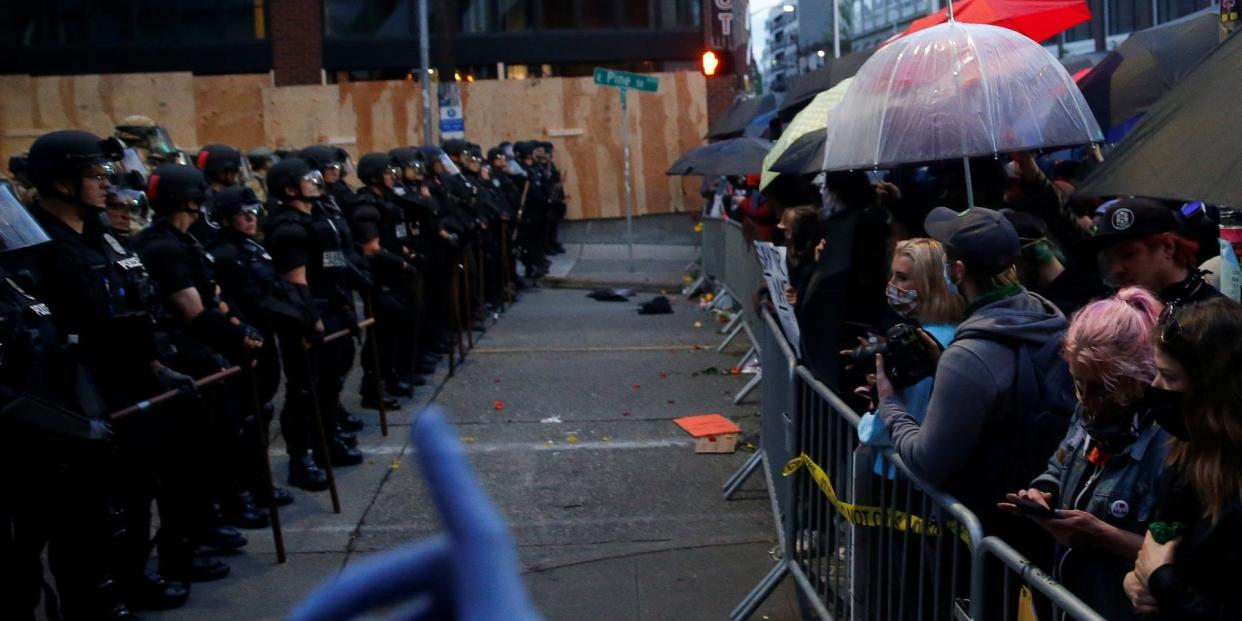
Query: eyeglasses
(1171, 334)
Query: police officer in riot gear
(101, 302)
(535, 210)
(381, 231)
(308, 250)
(222, 168)
(57, 501)
(248, 277)
(208, 336)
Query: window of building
(1122, 16)
(1169, 10)
(96, 23)
(477, 16)
(636, 14)
(678, 13)
(515, 15)
(600, 14)
(560, 14)
(389, 19)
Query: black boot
(242, 512)
(350, 440)
(399, 388)
(341, 454)
(281, 497)
(369, 402)
(221, 538)
(347, 421)
(102, 604)
(154, 592)
(304, 473)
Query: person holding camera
(1099, 491)
(920, 292)
(1187, 566)
(1001, 397)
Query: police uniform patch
(1122, 219)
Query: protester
(1187, 567)
(1141, 243)
(798, 230)
(920, 292)
(1044, 268)
(998, 405)
(1102, 480)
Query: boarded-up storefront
(582, 120)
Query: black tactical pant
(393, 336)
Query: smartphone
(1030, 508)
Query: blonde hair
(936, 303)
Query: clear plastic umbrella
(955, 91)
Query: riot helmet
(18, 229)
(221, 164)
(333, 162)
(260, 158)
(435, 155)
(373, 166)
(235, 200)
(73, 158)
(411, 162)
(294, 179)
(172, 186)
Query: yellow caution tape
(873, 517)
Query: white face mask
(904, 301)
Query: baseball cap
(1128, 218)
(980, 237)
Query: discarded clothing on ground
(659, 305)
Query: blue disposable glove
(470, 573)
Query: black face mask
(1166, 407)
(1112, 434)
(778, 237)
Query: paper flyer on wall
(776, 273)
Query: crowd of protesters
(1082, 393)
(151, 301)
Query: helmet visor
(449, 166)
(132, 162)
(312, 184)
(18, 228)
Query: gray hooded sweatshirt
(962, 444)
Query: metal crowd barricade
(862, 538)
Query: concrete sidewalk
(615, 516)
(654, 267)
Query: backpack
(1044, 398)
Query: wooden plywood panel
(387, 114)
(299, 116)
(30, 106)
(229, 109)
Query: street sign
(625, 79)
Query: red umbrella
(1037, 19)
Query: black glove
(169, 379)
(249, 332)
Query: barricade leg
(756, 597)
(736, 481)
(729, 328)
(746, 358)
(732, 333)
(751, 385)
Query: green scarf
(994, 295)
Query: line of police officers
(99, 313)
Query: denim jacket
(1123, 493)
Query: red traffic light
(715, 62)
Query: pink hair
(1113, 337)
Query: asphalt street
(565, 407)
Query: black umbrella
(1183, 149)
(804, 157)
(736, 156)
(1149, 63)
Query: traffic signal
(716, 62)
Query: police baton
(467, 308)
(264, 444)
(316, 411)
(376, 367)
(143, 406)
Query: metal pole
(836, 28)
(424, 78)
(629, 208)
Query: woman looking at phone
(1100, 489)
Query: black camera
(907, 359)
